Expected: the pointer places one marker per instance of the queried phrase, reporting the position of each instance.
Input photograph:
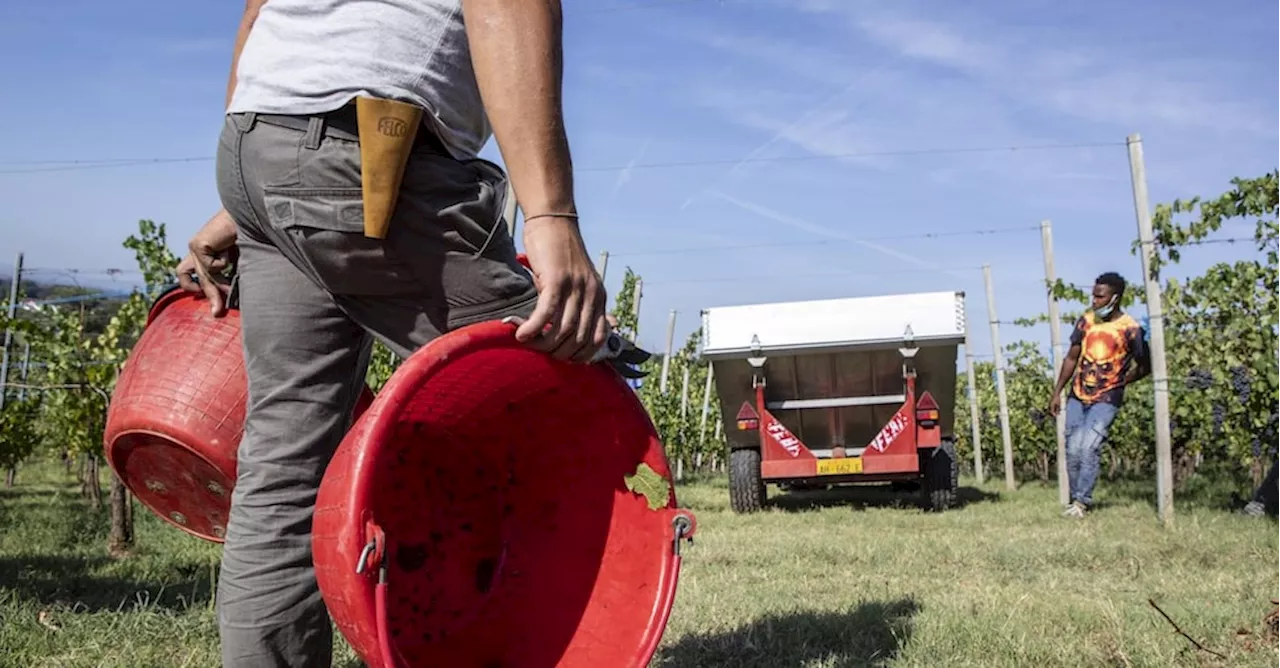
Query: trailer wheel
(746, 487)
(941, 478)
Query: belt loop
(245, 120)
(315, 132)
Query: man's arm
(211, 249)
(517, 56)
(1071, 360)
(251, 9)
(518, 61)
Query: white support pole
(974, 415)
(603, 265)
(1007, 438)
(1155, 314)
(666, 359)
(1055, 340)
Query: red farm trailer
(838, 391)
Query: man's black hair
(1112, 280)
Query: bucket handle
(375, 551)
(685, 525)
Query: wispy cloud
(817, 65)
(624, 176)
(813, 130)
(830, 233)
(958, 77)
(1081, 80)
(930, 41)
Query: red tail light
(748, 419)
(926, 411)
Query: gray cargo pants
(313, 292)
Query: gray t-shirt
(313, 56)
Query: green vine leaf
(646, 482)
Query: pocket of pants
(461, 201)
(325, 226)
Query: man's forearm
(517, 57)
(251, 8)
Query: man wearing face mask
(1107, 353)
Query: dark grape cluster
(1219, 415)
(1257, 446)
(1199, 379)
(1240, 384)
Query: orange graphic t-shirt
(1107, 348)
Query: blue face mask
(1104, 312)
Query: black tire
(941, 478)
(746, 487)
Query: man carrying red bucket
(355, 207)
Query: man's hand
(570, 321)
(212, 250)
(1055, 404)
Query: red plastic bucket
(177, 414)
(489, 509)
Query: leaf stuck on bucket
(650, 484)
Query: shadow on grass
(1209, 490)
(870, 634)
(71, 581)
(862, 497)
(14, 493)
(53, 554)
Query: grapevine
(1223, 363)
(1219, 416)
(1240, 384)
(1199, 379)
(1219, 333)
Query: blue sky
(650, 83)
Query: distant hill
(41, 291)
(98, 312)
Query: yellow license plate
(840, 466)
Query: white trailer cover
(835, 349)
(833, 324)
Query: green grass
(827, 580)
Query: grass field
(820, 580)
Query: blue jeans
(1087, 428)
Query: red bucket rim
(112, 454)
(163, 301)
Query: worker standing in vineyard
(315, 285)
(1107, 353)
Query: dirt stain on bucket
(410, 557)
(485, 570)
